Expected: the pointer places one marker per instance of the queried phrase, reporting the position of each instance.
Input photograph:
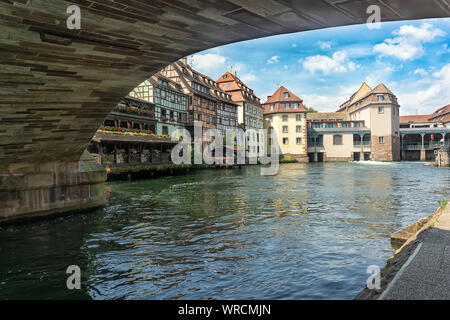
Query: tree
(310, 109)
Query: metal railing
(429, 146)
(358, 143)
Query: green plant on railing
(128, 131)
(143, 168)
(288, 160)
(443, 203)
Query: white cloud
(337, 63)
(248, 77)
(294, 45)
(285, 67)
(324, 44)
(274, 59)
(425, 33)
(425, 96)
(209, 62)
(331, 102)
(381, 73)
(421, 72)
(408, 45)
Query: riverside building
(169, 100)
(285, 117)
(421, 135)
(250, 111)
(207, 102)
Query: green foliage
(142, 168)
(288, 160)
(311, 110)
(442, 203)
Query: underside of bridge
(57, 85)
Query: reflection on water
(309, 232)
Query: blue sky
(324, 67)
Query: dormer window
(286, 105)
(286, 95)
(271, 107)
(380, 97)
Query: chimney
(234, 72)
(184, 60)
(268, 97)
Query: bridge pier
(423, 154)
(48, 188)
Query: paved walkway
(426, 275)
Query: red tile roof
(441, 115)
(239, 91)
(279, 100)
(415, 119)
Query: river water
(309, 232)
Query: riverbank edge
(401, 255)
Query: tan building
(379, 110)
(285, 116)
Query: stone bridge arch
(57, 85)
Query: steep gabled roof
(361, 93)
(239, 91)
(279, 96)
(190, 76)
(278, 100)
(381, 88)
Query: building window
(285, 140)
(298, 128)
(285, 129)
(298, 117)
(199, 118)
(380, 139)
(270, 118)
(286, 105)
(199, 101)
(380, 97)
(286, 95)
(295, 105)
(285, 118)
(337, 139)
(165, 130)
(271, 107)
(298, 140)
(380, 109)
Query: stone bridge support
(30, 190)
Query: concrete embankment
(418, 269)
